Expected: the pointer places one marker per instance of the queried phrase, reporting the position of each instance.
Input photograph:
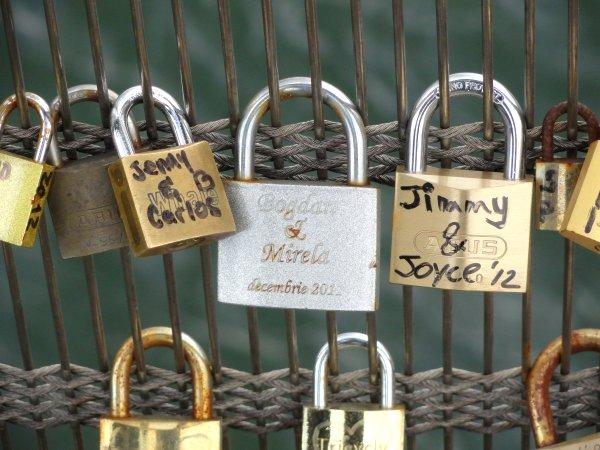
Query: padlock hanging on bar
(122, 431)
(353, 425)
(24, 183)
(168, 199)
(82, 202)
(555, 178)
(305, 245)
(459, 229)
(538, 392)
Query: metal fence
(260, 402)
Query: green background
(337, 65)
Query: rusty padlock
(353, 426)
(555, 179)
(538, 392)
(459, 229)
(24, 183)
(168, 199)
(122, 431)
(82, 203)
(305, 245)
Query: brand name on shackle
(289, 208)
(326, 444)
(471, 86)
(497, 209)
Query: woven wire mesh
(264, 401)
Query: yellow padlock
(121, 431)
(538, 392)
(24, 183)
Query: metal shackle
(78, 94)
(346, 340)
(467, 84)
(301, 87)
(550, 119)
(162, 337)
(164, 101)
(43, 111)
(540, 376)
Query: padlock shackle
(540, 377)
(43, 111)
(78, 94)
(164, 101)
(162, 337)
(467, 84)
(346, 340)
(358, 166)
(552, 116)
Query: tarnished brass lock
(538, 392)
(306, 245)
(122, 431)
(458, 229)
(24, 183)
(82, 203)
(168, 199)
(353, 426)
(555, 179)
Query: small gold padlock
(538, 392)
(555, 179)
(463, 229)
(121, 431)
(168, 199)
(24, 183)
(353, 426)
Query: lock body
(582, 218)
(83, 208)
(170, 199)
(353, 427)
(554, 185)
(302, 246)
(141, 433)
(466, 230)
(24, 187)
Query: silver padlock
(305, 245)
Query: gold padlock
(24, 183)
(168, 199)
(459, 229)
(538, 392)
(353, 426)
(121, 431)
(555, 179)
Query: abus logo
(477, 247)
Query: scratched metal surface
(544, 53)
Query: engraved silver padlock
(305, 245)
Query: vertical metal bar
(573, 76)
(4, 438)
(96, 312)
(443, 76)
(488, 134)
(252, 318)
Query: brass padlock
(353, 426)
(168, 199)
(122, 431)
(555, 178)
(24, 183)
(458, 229)
(538, 392)
(305, 245)
(82, 203)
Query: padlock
(24, 183)
(555, 179)
(122, 431)
(459, 229)
(538, 392)
(82, 203)
(353, 426)
(168, 199)
(305, 245)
